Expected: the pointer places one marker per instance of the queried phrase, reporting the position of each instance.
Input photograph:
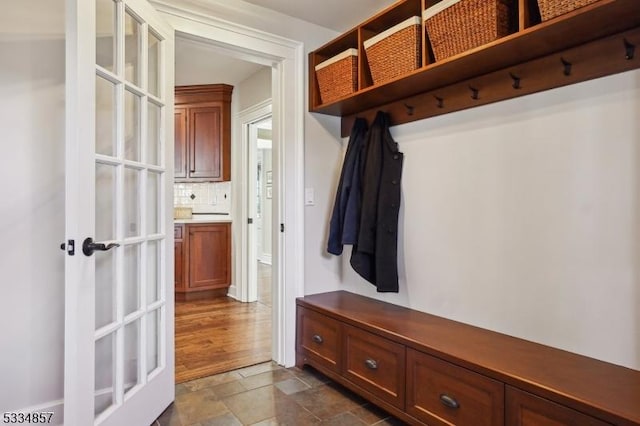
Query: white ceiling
(339, 15)
(198, 63)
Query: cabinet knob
(449, 401)
(371, 364)
(317, 338)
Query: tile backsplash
(206, 197)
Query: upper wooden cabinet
(592, 41)
(203, 133)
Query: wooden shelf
(591, 29)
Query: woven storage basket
(552, 8)
(396, 51)
(338, 76)
(454, 26)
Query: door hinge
(70, 247)
(249, 220)
(282, 227)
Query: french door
(119, 349)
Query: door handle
(88, 246)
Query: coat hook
(516, 80)
(440, 101)
(567, 66)
(630, 49)
(409, 109)
(474, 92)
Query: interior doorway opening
(223, 333)
(285, 58)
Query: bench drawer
(376, 364)
(318, 338)
(440, 393)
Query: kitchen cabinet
(203, 259)
(180, 141)
(203, 133)
(178, 255)
(428, 370)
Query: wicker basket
(552, 8)
(338, 76)
(396, 51)
(455, 26)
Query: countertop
(206, 218)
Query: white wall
(255, 89)
(522, 217)
(251, 92)
(32, 207)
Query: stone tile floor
(267, 394)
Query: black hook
(474, 92)
(516, 80)
(409, 109)
(630, 49)
(440, 101)
(567, 66)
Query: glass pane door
(130, 183)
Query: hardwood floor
(221, 334)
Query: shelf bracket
(567, 66)
(630, 49)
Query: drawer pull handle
(449, 401)
(317, 338)
(371, 364)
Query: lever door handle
(88, 246)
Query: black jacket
(375, 255)
(343, 228)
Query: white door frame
(245, 270)
(286, 57)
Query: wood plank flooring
(222, 334)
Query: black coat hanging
(375, 256)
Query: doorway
(286, 58)
(219, 333)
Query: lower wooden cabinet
(441, 393)
(375, 364)
(202, 257)
(525, 409)
(428, 370)
(319, 339)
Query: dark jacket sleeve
(343, 226)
